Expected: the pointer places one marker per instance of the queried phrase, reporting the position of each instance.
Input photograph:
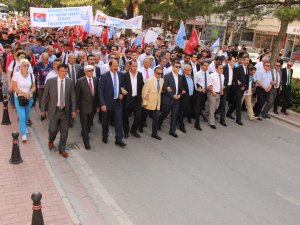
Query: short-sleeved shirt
(16, 68)
(36, 50)
(23, 83)
(264, 76)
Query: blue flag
(139, 39)
(216, 44)
(180, 35)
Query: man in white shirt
(215, 89)
(146, 71)
(223, 52)
(212, 66)
(259, 66)
(147, 53)
(277, 79)
(54, 72)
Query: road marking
(292, 200)
(115, 209)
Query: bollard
(1, 92)
(15, 154)
(5, 117)
(37, 215)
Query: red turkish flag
(105, 36)
(192, 43)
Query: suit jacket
(239, 75)
(150, 90)
(126, 84)
(226, 74)
(50, 97)
(77, 68)
(82, 74)
(184, 100)
(170, 82)
(284, 76)
(273, 77)
(106, 89)
(85, 101)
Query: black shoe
(182, 129)
(213, 126)
(105, 140)
(189, 120)
(141, 130)
(87, 146)
(205, 119)
(230, 116)
(156, 136)
(267, 116)
(136, 134)
(173, 134)
(198, 127)
(239, 123)
(216, 117)
(126, 135)
(120, 143)
(263, 116)
(260, 119)
(223, 123)
(276, 112)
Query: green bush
(295, 95)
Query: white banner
(94, 30)
(61, 17)
(150, 36)
(104, 20)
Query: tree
(284, 10)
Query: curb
(67, 203)
(285, 120)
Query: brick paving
(17, 182)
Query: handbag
(22, 100)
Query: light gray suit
(58, 118)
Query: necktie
(115, 87)
(65, 57)
(91, 86)
(62, 95)
(158, 86)
(277, 79)
(221, 85)
(73, 73)
(147, 74)
(205, 80)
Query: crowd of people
(66, 72)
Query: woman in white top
(23, 84)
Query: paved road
(235, 175)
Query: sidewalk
(293, 118)
(17, 182)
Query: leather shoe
(189, 120)
(105, 140)
(223, 123)
(136, 134)
(156, 136)
(276, 112)
(239, 123)
(263, 116)
(87, 146)
(230, 116)
(198, 127)
(63, 153)
(182, 129)
(50, 145)
(213, 126)
(126, 135)
(173, 134)
(120, 143)
(260, 119)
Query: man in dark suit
(111, 102)
(171, 99)
(90, 61)
(87, 102)
(59, 100)
(131, 88)
(287, 75)
(185, 108)
(228, 75)
(73, 68)
(240, 75)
